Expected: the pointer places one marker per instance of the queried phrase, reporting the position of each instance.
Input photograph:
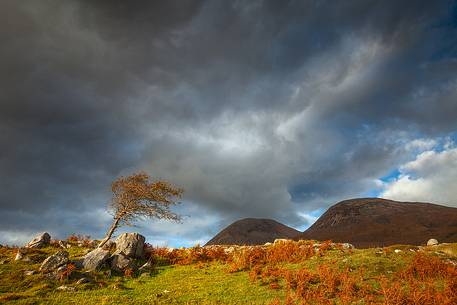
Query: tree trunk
(110, 232)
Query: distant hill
(252, 231)
(370, 222)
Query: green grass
(209, 283)
(193, 284)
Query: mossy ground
(199, 283)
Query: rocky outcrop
(131, 244)
(39, 241)
(120, 262)
(95, 259)
(54, 261)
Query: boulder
(121, 262)
(40, 241)
(54, 261)
(95, 259)
(432, 242)
(131, 244)
(109, 245)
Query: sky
(268, 109)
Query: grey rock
(146, 266)
(40, 241)
(19, 255)
(64, 245)
(29, 272)
(121, 262)
(84, 280)
(65, 288)
(432, 242)
(54, 261)
(131, 244)
(95, 259)
(347, 246)
(109, 245)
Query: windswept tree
(137, 197)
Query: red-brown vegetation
(427, 279)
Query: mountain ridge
(252, 231)
(367, 222)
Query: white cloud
(430, 177)
(15, 238)
(421, 144)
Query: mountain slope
(252, 231)
(370, 222)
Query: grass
(278, 275)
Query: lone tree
(136, 197)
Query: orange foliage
(67, 272)
(426, 280)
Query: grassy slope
(193, 284)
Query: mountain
(368, 222)
(252, 231)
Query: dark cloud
(257, 108)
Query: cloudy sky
(274, 109)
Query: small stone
(65, 288)
(347, 246)
(432, 242)
(229, 250)
(397, 250)
(29, 272)
(146, 267)
(61, 269)
(19, 255)
(40, 241)
(84, 280)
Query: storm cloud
(256, 108)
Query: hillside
(289, 272)
(370, 222)
(252, 231)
